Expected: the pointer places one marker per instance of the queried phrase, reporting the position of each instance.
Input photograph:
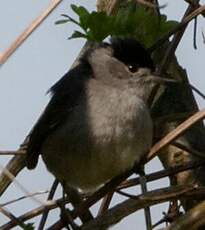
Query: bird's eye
(133, 68)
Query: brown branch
(187, 19)
(46, 211)
(22, 197)
(197, 91)
(15, 165)
(12, 217)
(101, 193)
(192, 220)
(169, 54)
(122, 210)
(105, 203)
(173, 135)
(189, 149)
(33, 213)
(78, 211)
(26, 33)
(10, 152)
(161, 174)
(132, 182)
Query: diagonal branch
(173, 135)
(25, 34)
(120, 211)
(192, 220)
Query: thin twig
(18, 184)
(12, 217)
(105, 203)
(101, 193)
(191, 220)
(195, 33)
(21, 198)
(122, 210)
(132, 182)
(197, 91)
(8, 152)
(126, 194)
(31, 214)
(161, 174)
(173, 135)
(78, 211)
(147, 213)
(177, 37)
(186, 20)
(189, 149)
(203, 36)
(28, 31)
(50, 197)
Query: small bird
(97, 124)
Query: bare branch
(182, 24)
(10, 152)
(120, 211)
(33, 213)
(161, 174)
(192, 220)
(22, 197)
(28, 31)
(173, 135)
(12, 217)
(50, 197)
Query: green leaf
(63, 21)
(68, 19)
(83, 15)
(29, 226)
(99, 26)
(132, 21)
(77, 34)
(79, 10)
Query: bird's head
(125, 60)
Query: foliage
(131, 21)
(29, 226)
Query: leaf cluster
(131, 21)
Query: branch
(161, 174)
(192, 220)
(28, 31)
(33, 213)
(22, 197)
(10, 152)
(122, 210)
(173, 135)
(46, 211)
(181, 25)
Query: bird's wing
(65, 96)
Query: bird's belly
(107, 141)
(87, 173)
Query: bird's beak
(162, 80)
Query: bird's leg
(141, 173)
(65, 213)
(76, 199)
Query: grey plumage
(97, 124)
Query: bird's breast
(104, 136)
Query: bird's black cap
(130, 51)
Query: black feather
(66, 94)
(129, 51)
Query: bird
(97, 124)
